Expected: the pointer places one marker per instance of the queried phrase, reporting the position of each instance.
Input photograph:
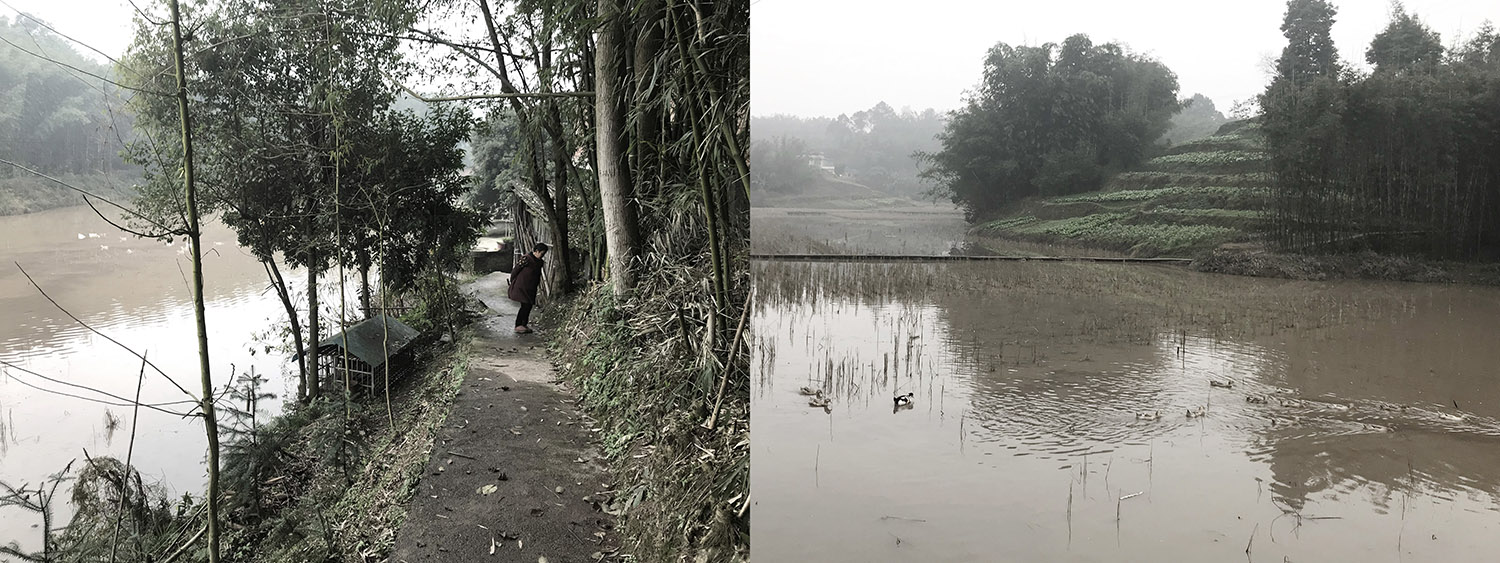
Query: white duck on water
(904, 400)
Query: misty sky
(826, 57)
(103, 24)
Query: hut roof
(367, 338)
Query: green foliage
(1309, 53)
(780, 166)
(1404, 43)
(1180, 196)
(1210, 161)
(1118, 231)
(1051, 120)
(495, 148)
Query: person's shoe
(522, 330)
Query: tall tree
(1051, 119)
(1307, 26)
(621, 226)
(1404, 43)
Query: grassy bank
(337, 486)
(1366, 265)
(644, 375)
(1194, 198)
(26, 193)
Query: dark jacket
(525, 278)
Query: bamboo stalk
(195, 236)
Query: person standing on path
(525, 279)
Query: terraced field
(1197, 196)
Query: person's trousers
(523, 317)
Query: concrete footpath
(515, 475)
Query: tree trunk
(561, 163)
(195, 238)
(279, 284)
(364, 284)
(315, 380)
(621, 230)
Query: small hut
(371, 343)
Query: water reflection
(1024, 439)
(134, 291)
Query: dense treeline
(54, 118)
(1049, 120)
(1403, 158)
(873, 147)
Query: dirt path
(514, 474)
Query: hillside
(1196, 197)
(24, 193)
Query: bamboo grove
(1399, 159)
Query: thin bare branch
(122, 402)
(96, 331)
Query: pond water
(135, 291)
(1363, 422)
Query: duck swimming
(1227, 383)
(818, 400)
(1256, 399)
(904, 400)
(809, 391)
(1148, 415)
(1196, 412)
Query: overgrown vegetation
(323, 481)
(677, 425)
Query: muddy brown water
(1379, 437)
(135, 291)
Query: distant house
(817, 160)
(371, 343)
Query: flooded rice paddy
(913, 228)
(1050, 416)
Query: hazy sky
(103, 24)
(826, 57)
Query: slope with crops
(1195, 197)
